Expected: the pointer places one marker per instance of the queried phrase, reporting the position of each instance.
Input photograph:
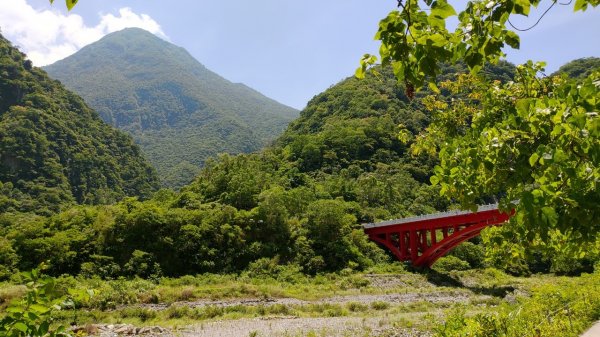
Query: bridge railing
(481, 208)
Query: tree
(532, 140)
(415, 40)
(535, 140)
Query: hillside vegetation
(580, 68)
(54, 150)
(298, 202)
(179, 112)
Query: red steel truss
(424, 239)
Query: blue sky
(288, 50)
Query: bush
(470, 253)
(357, 307)
(270, 268)
(563, 309)
(354, 282)
(102, 266)
(142, 264)
(450, 263)
(380, 305)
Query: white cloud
(47, 36)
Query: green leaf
(434, 180)
(71, 4)
(513, 40)
(522, 106)
(437, 40)
(39, 308)
(359, 73)
(549, 216)
(21, 327)
(473, 59)
(15, 309)
(560, 156)
(533, 159)
(522, 7)
(434, 87)
(580, 5)
(365, 62)
(43, 328)
(442, 10)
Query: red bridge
(424, 239)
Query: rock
(144, 330)
(127, 329)
(117, 330)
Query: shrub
(564, 308)
(357, 307)
(142, 264)
(450, 263)
(102, 266)
(8, 259)
(31, 316)
(263, 267)
(380, 305)
(354, 282)
(470, 253)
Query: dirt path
(594, 331)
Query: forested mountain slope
(55, 150)
(580, 68)
(177, 110)
(299, 201)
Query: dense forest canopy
(54, 150)
(298, 202)
(179, 112)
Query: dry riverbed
(391, 305)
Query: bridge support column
(404, 243)
(414, 253)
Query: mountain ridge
(55, 150)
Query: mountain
(179, 112)
(55, 150)
(580, 68)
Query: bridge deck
(425, 217)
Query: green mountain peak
(177, 110)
